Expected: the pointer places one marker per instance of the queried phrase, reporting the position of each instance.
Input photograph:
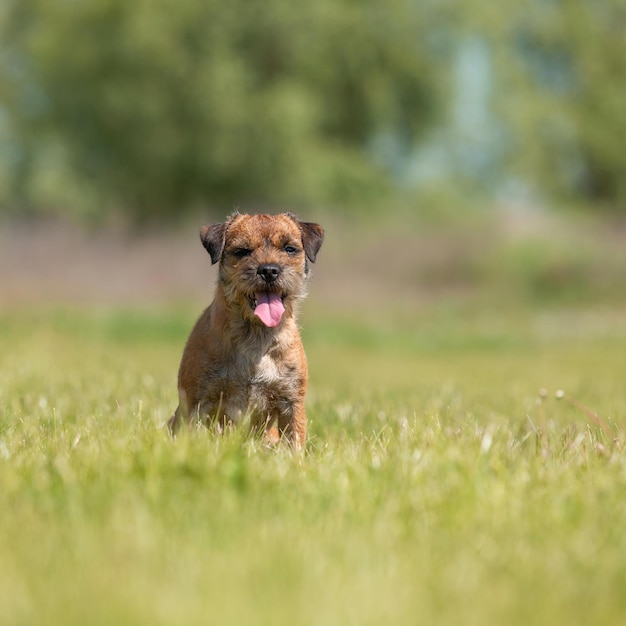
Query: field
(443, 483)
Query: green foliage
(435, 487)
(152, 109)
(562, 90)
(164, 105)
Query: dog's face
(263, 262)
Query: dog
(244, 358)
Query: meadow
(443, 482)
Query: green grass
(436, 487)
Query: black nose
(268, 272)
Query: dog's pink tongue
(269, 308)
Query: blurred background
(455, 151)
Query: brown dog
(244, 357)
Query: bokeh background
(455, 151)
(468, 162)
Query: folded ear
(312, 238)
(212, 238)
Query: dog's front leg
(292, 426)
(181, 415)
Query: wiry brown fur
(233, 365)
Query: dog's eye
(241, 252)
(291, 250)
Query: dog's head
(263, 262)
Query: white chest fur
(266, 371)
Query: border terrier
(244, 357)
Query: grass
(437, 487)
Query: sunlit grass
(440, 484)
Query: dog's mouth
(268, 307)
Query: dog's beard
(262, 302)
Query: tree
(159, 106)
(562, 89)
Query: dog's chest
(265, 372)
(265, 384)
(270, 384)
